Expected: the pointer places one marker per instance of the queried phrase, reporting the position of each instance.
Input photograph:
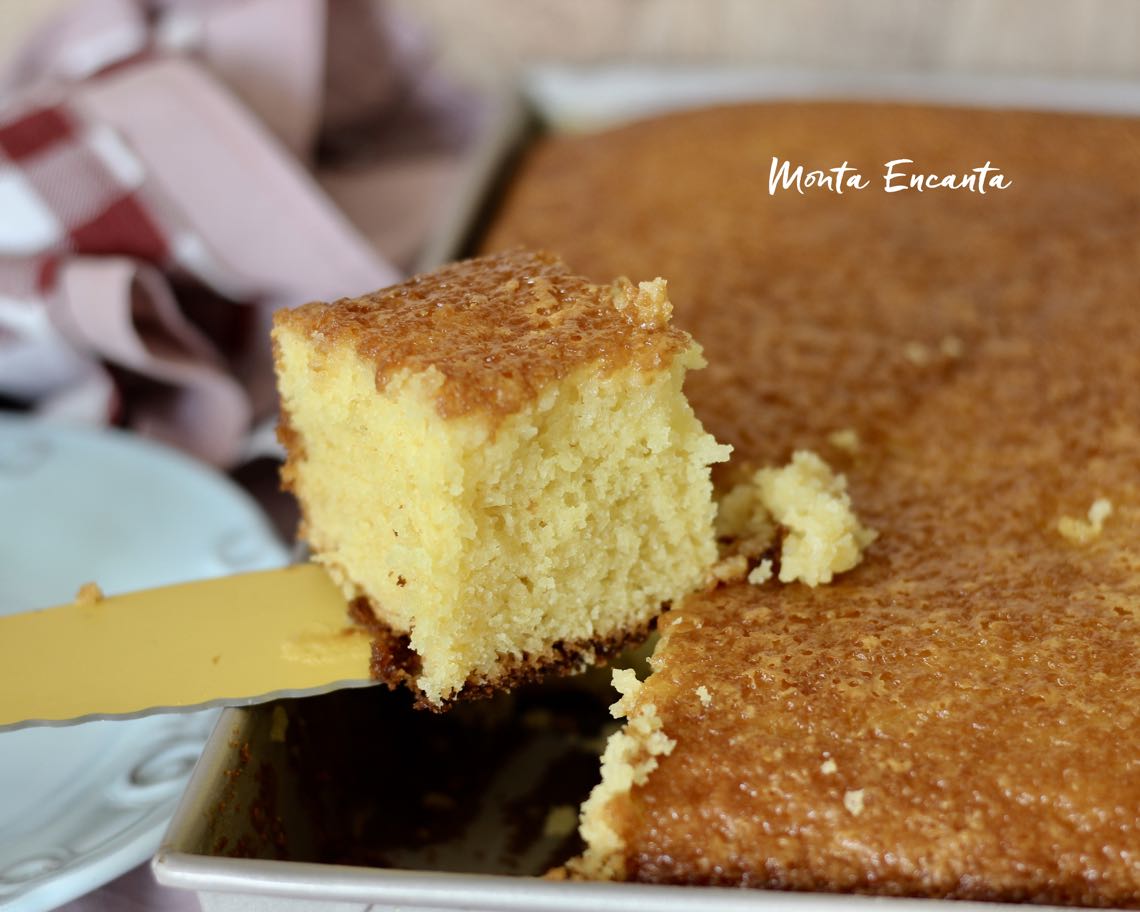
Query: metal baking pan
(354, 801)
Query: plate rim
(134, 844)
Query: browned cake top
(497, 329)
(976, 681)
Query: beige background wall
(487, 40)
(17, 16)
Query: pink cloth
(156, 204)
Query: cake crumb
(761, 573)
(648, 304)
(742, 517)
(822, 534)
(1083, 531)
(704, 696)
(625, 682)
(89, 594)
(916, 353)
(845, 439)
(631, 754)
(951, 347)
(853, 801)
(729, 569)
(829, 767)
(561, 821)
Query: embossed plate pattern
(82, 804)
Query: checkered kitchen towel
(148, 225)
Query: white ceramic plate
(80, 805)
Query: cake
(497, 464)
(958, 715)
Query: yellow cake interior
(569, 522)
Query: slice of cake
(498, 465)
(959, 714)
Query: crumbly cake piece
(497, 464)
(957, 715)
(806, 507)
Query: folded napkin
(155, 204)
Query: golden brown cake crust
(540, 320)
(976, 681)
(958, 752)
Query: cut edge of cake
(798, 515)
(483, 547)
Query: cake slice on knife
(496, 463)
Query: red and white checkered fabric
(149, 221)
(67, 188)
(72, 187)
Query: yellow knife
(229, 641)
